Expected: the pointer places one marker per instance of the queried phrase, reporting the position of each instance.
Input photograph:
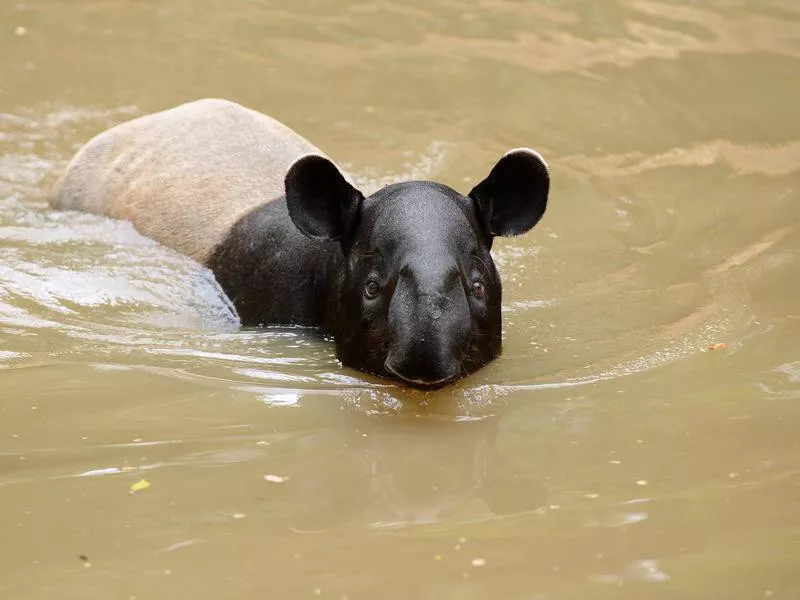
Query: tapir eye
(478, 290)
(371, 289)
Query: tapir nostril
(418, 380)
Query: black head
(418, 299)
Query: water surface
(607, 454)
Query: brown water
(605, 455)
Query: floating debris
(275, 478)
(140, 485)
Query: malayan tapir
(402, 279)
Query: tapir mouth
(419, 382)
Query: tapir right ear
(321, 203)
(513, 198)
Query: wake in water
(55, 265)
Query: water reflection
(393, 470)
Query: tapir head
(418, 296)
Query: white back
(183, 176)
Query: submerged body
(403, 279)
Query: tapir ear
(513, 198)
(321, 203)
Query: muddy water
(607, 454)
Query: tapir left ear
(321, 203)
(513, 198)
